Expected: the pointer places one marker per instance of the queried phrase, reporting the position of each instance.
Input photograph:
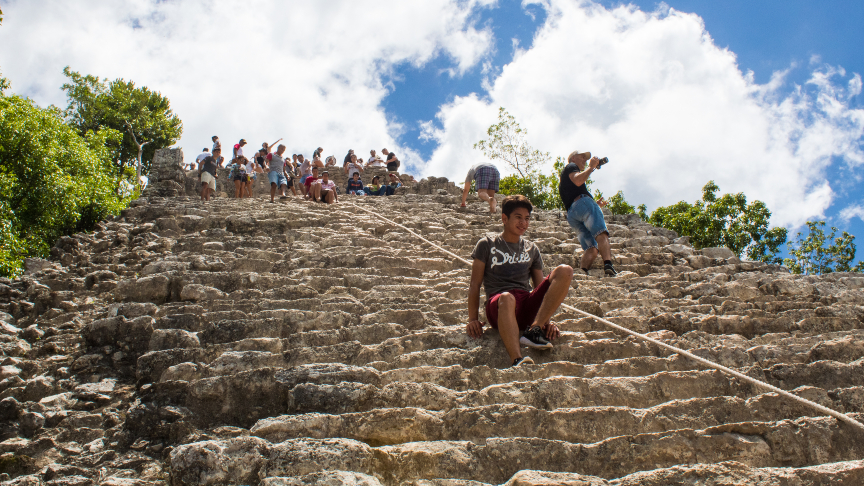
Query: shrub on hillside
(52, 181)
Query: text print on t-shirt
(508, 258)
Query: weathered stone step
(803, 442)
(388, 426)
(849, 473)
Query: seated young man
(355, 186)
(503, 264)
(308, 181)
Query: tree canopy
(811, 256)
(52, 181)
(724, 221)
(138, 113)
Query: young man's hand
(552, 331)
(474, 329)
(602, 202)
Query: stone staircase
(243, 342)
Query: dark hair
(325, 172)
(512, 203)
(376, 178)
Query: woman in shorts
(238, 175)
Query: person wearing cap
(395, 183)
(375, 189)
(238, 148)
(583, 212)
(486, 178)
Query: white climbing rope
(710, 364)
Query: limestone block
(721, 253)
(325, 478)
(196, 292)
(235, 461)
(148, 289)
(173, 338)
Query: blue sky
(765, 36)
(637, 82)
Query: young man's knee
(562, 271)
(506, 300)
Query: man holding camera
(583, 213)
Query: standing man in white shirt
(203, 155)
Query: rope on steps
(710, 364)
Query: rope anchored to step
(710, 364)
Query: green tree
(507, 144)
(52, 181)
(724, 221)
(812, 257)
(144, 117)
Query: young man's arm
(270, 147)
(465, 193)
(536, 276)
(475, 326)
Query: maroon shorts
(527, 305)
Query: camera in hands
(603, 161)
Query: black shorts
(392, 166)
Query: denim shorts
(278, 179)
(586, 218)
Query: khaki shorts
(208, 179)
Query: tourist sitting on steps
(486, 178)
(308, 181)
(395, 183)
(208, 175)
(583, 213)
(355, 186)
(324, 190)
(503, 264)
(375, 189)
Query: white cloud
(312, 72)
(852, 211)
(669, 108)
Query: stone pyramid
(243, 342)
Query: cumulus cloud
(852, 211)
(312, 72)
(669, 108)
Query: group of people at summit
(311, 175)
(520, 301)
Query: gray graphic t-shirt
(508, 265)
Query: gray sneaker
(525, 360)
(610, 270)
